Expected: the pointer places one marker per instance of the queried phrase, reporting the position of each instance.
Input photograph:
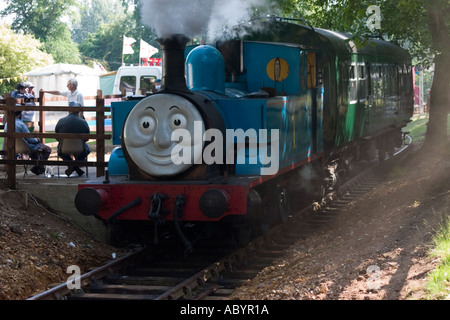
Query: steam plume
(194, 17)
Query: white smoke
(194, 17)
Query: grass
(438, 282)
(417, 128)
(438, 285)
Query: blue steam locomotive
(244, 129)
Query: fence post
(100, 128)
(41, 122)
(10, 142)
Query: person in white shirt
(74, 97)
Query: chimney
(173, 63)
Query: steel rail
(58, 292)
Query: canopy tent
(54, 77)
(107, 82)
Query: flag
(98, 66)
(146, 50)
(127, 42)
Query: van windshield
(147, 83)
(128, 84)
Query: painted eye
(148, 124)
(177, 121)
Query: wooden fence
(9, 105)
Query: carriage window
(344, 72)
(401, 78)
(363, 83)
(352, 91)
(362, 72)
(352, 73)
(385, 78)
(390, 90)
(409, 84)
(396, 79)
(376, 82)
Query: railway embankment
(379, 247)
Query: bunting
(13, 79)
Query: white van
(132, 79)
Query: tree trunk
(436, 137)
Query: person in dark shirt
(39, 151)
(72, 123)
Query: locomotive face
(148, 132)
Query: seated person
(20, 91)
(24, 90)
(72, 123)
(28, 115)
(39, 151)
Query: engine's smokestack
(173, 63)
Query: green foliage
(55, 234)
(107, 43)
(37, 17)
(438, 281)
(403, 22)
(417, 128)
(18, 54)
(60, 45)
(43, 19)
(93, 14)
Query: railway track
(209, 274)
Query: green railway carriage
(366, 93)
(373, 92)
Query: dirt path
(377, 248)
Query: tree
(105, 45)
(43, 19)
(94, 13)
(422, 26)
(18, 55)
